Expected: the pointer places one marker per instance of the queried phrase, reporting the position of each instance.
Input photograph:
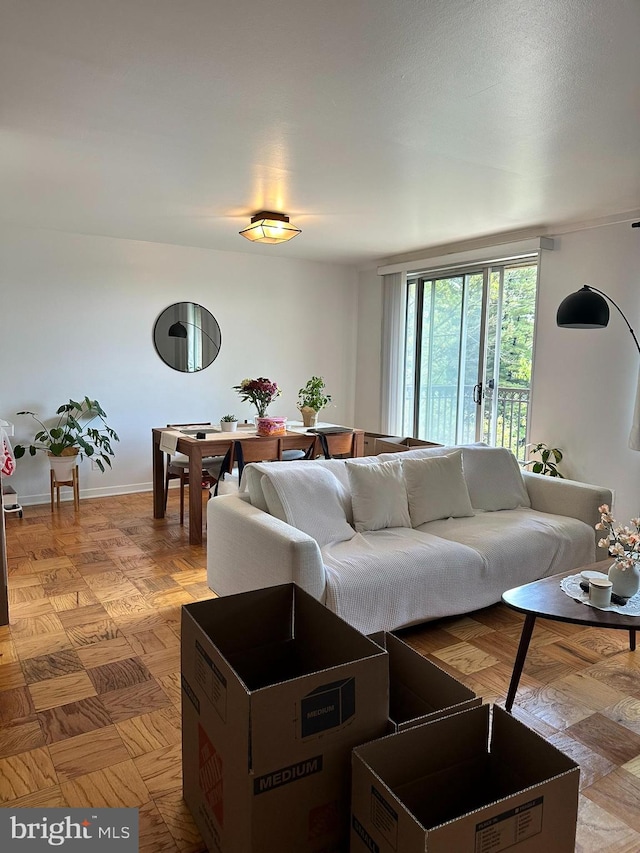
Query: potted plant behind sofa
(311, 399)
(228, 423)
(81, 430)
(550, 458)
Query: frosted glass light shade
(268, 227)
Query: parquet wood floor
(90, 676)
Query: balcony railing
(511, 420)
(439, 402)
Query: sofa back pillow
(378, 495)
(436, 488)
(309, 498)
(494, 478)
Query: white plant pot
(62, 467)
(228, 426)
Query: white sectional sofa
(401, 538)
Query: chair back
(257, 450)
(225, 468)
(199, 423)
(338, 444)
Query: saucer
(590, 576)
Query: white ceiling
(380, 126)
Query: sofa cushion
(378, 495)
(385, 579)
(309, 498)
(492, 474)
(494, 478)
(520, 545)
(436, 488)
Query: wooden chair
(258, 450)
(261, 450)
(177, 468)
(338, 445)
(217, 472)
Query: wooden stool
(74, 483)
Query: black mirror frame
(177, 315)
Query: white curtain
(394, 300)
(634, 437)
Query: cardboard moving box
(419, 691)
(276, 691)
(394, 444)
(472, 782)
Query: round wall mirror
(187, 337)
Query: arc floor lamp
(587, 309)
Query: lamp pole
(621, 312)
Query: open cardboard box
(394, 444)
(473, 782)
(419, 691)
(277, 690)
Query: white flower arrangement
(623, 543)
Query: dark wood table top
(545, 599)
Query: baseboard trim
(85, 494)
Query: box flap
(417, 686)
(511, 739)
(246, 620)
(449, 741)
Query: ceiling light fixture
(269, 227)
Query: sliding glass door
(468, 353)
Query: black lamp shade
(177, 330)
(583, 309)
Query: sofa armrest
(250, 549)
(568, 497)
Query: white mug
(600, 592)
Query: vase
(271, 426)
(309, 416)
(626, 582)
(228, 426)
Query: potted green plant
(80, 430)
(311, 399)
(228, 423)
(550, 457)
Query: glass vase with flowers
(261, 392)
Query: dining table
(215, 443)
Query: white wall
(584, 382)
(77, 318)
(369, 366)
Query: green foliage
(313, 394)
(451, 343)
(228, 419)
(75, 428)
(550, 457)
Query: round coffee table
(544, 598)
